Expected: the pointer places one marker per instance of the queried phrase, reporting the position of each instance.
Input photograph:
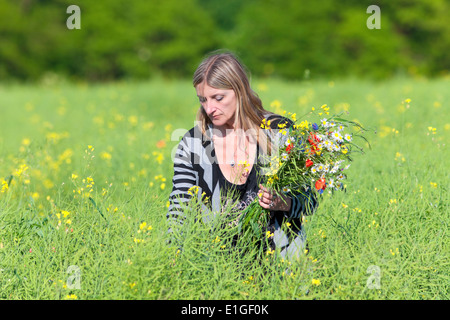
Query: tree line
(291, 38)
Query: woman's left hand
(268, 199)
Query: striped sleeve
(303, 204)
(184, 177)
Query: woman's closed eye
(217, 98)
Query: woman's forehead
(205, 90)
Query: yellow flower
(159, 157)
(294, 116)
(21, 170)
(433, 184)
(71, 297)
(105, 155)
(275, 104)
(304, 124)
(282, 125)
(142, 225)
(26, 142)
(65, 213)
(394, 252)
(315, 282)
(4, 186)
(133, 120)
(193, 190)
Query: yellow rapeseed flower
(315, 282)
(142, 225)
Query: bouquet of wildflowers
(311, 156)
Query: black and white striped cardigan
(194, 165)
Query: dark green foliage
(293, 38)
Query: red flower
(320, 184)
(308, 163)
(289, 148)
(312, 139)
(313, 149)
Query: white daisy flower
(330, 146)
(284, 156)
(340, 127)
(334, 169)
(340, 177)
(314, 169)
(337, 136)
(348, 137)
(336, 147)
(332, 123)
(331, 182)
(324, 123)
(286, 189)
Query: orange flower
(161, 144)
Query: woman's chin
(217, 121)
(221, 122)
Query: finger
(264, 197)
(265, 192)
(265, 205)
(261, 187)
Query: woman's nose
(209, 107)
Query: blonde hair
(225, 71)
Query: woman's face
(219, 104)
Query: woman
(222, 154)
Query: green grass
(394, 215)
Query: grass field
(85, 174)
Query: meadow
(85, 175)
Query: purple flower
(315, 126)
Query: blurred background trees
(292, 39)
